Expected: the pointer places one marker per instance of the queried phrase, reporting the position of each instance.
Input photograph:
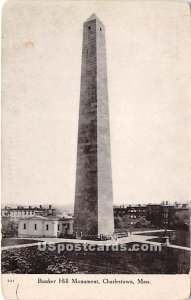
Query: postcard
(96, 150)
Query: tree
(182, 220)
(155, 216)
(9, 229)
(142, 222)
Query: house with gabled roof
(50, 226)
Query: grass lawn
(15, 241)
(30, 260)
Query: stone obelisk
(93, 209)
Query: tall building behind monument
(93, 209)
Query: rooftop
(48, 218)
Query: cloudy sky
(148, 60)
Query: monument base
(95, 237)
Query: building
(182, 210)
(160, 215)
(50, 226)
(182, 215)
(93, 209)
(18, 212)
(133, 211)
(181, 206)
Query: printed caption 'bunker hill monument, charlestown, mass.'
(93, 209)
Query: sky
(148, 62)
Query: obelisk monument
(93, 209)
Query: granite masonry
(93, 209)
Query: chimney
(50, 206)
(40, 206)
(29, 207)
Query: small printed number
(10, 280)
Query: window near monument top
(35, 226)
(46, 227)
(100, 29)
(25, 225)
(58, 227)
